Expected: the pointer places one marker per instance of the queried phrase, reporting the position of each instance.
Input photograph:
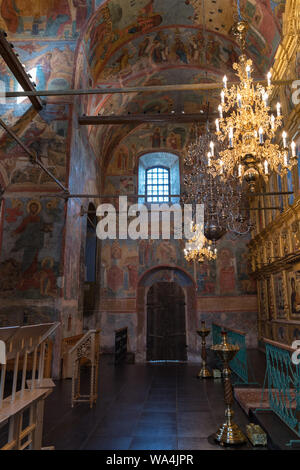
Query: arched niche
(167, 274)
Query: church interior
(110, 109)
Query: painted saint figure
(31, 238)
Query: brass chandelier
(248, 127)
(198, 248)
(225, 206)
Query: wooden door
(166, 329)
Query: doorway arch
(165, 273)
(166, 322)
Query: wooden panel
(166, 329)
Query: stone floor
(141, 406)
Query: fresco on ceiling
(51, 18)
(117, 25)
(46, 134)
(172, 47)
(30, 262)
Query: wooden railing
(87, 351)
(22, 401)
(47, 360)
(121, 338)
(66, 345)
(283, 384)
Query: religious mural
(116, 24)
(30, 263)
(279, 295)
(124, 261)
(294, 293)
(53, 19)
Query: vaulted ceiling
(133, 42)
(155, 42)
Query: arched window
(158, 184)
(159, 178)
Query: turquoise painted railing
(283, 384)
(239, 363)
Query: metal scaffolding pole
(33, 158)
(138, 89)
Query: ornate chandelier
(199, 248)
(225, 206)
(248, 127)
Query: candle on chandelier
(220, 111)
(266, 167)
(278, 109)
(217, 125)
(222, 97)
(269, 78)
(261, 135)
(209, 159)
(212, 146)
(273, 121)
(231, 137)
(221, 167)
(240, 171)
(225, 81)
(239, 100)
(265, 98)
(248, 71)
(284, 136)
(293, 146)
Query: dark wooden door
(166, 330)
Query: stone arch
(169, 274)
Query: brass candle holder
(204, 372)
(229, 432)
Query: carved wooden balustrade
(22, 400)
(86, 351)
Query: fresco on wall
(54, 18)
(46, 134)
(51, 67)
(124, 261)
(148, 138)
(31, 256)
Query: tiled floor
(140, 406)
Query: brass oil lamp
(203, 333)
(229, 432)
